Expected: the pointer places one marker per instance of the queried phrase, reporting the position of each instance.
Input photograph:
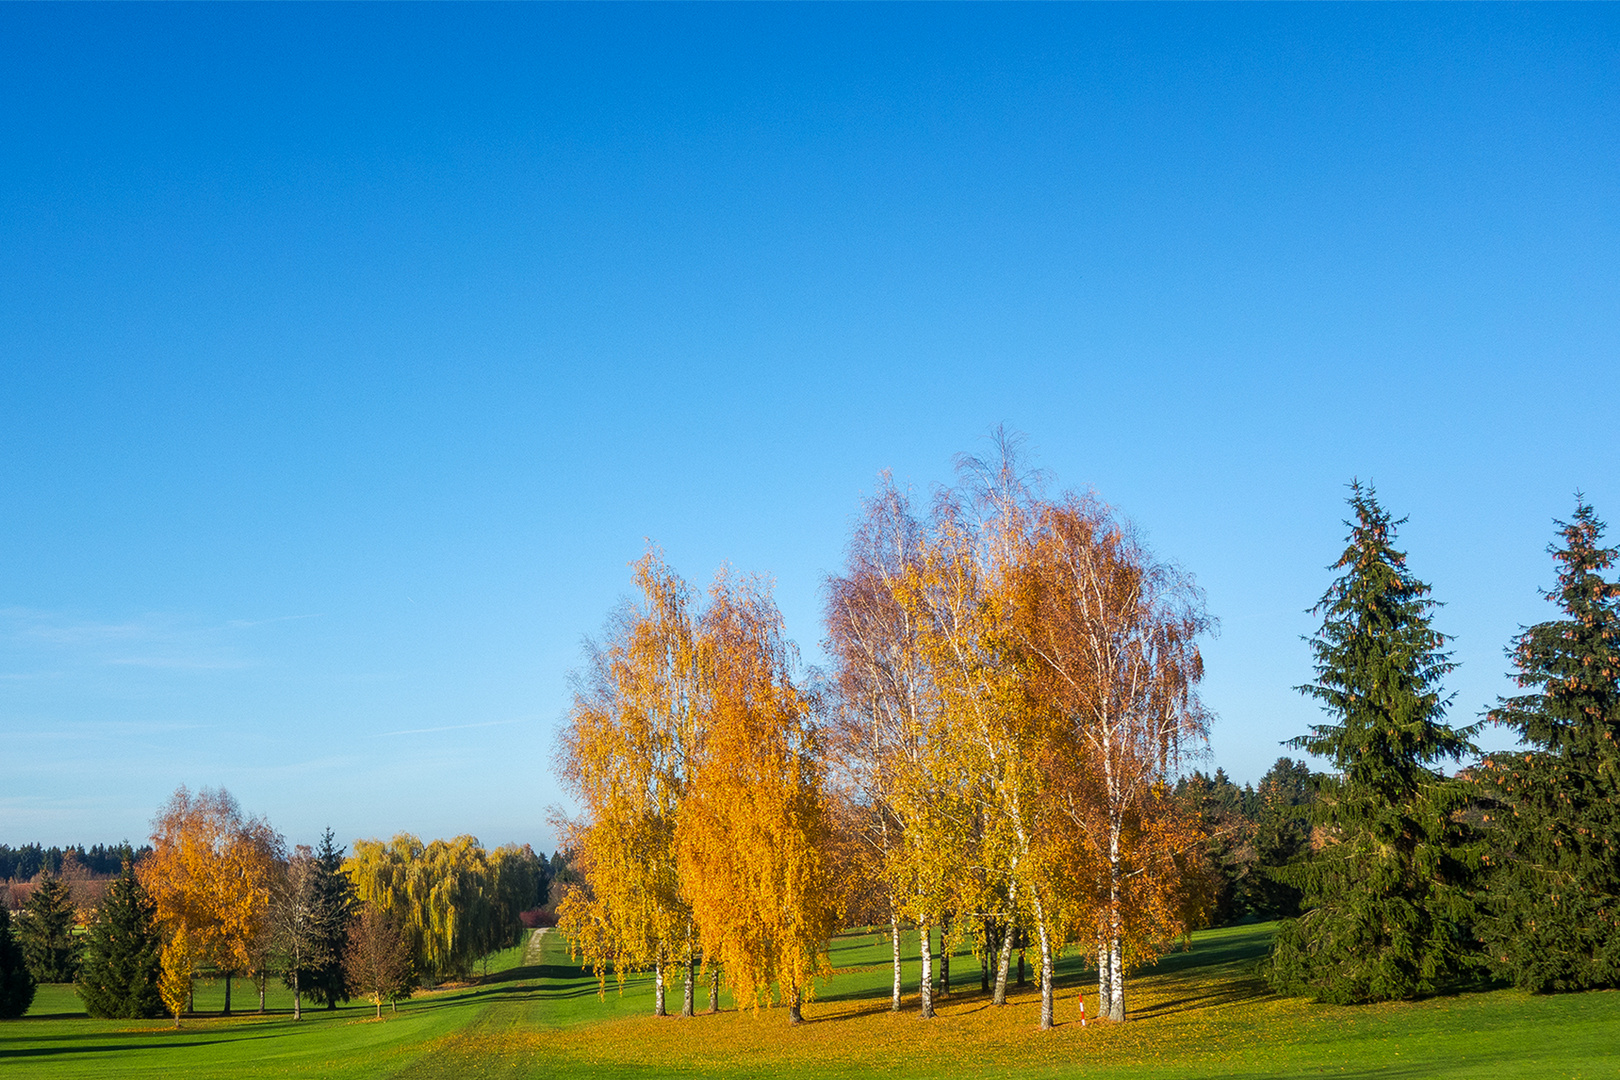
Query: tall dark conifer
(46, 931)
(119, 975)
(1553, 889)
(1386, 903)
(16, 984)
(335, 900)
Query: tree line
(27, 861)
(219, 893)
(994, 756)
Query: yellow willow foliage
(443, 897)
(627, 755)
(210, 875)
(754, 828)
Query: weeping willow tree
(452, 900)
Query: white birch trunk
(894, 941)
(1047, 1017)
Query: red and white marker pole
(1082, 1010)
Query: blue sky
(349, 354)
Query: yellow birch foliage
(210, 875)
(754, 829)
(627, 755)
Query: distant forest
(102, 860)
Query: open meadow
(1201, 1013)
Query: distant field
(1199, 1014)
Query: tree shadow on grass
(1232, 993)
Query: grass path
(1199, 1014)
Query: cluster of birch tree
(1014, 678)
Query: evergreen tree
(1386, 903)
(46, 930)
(335, 900)
(1552, 911)
(16, 984)
(119, 975)
(1281, 837)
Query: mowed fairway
(1201, 1013)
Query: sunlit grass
(1202, 1013)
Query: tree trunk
(1020, 960)
(1002, 963)
(714, 989)
(1116, 980)
(984, 960)
(1116, 967)
(795, 1005)
(263, 978)
(944, 959)
(925, 935)
(1047, 1018)
(658, 990)
(378, 999)
(227, 1011)
(298, 1002)
(894, 943)
(1105, 990)
(688, 987)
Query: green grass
(1198, 1014)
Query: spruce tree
(46, 930)
(119, 975)
(1552, 901)
(1386, 906)
(335, 900)
(16, 984)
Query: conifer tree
(1386, 901)
(46, 930)
(1552, 919)
(16, 984)
(332, 897)
(119, 976)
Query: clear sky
(348, 355)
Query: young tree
(1552, 912)
(377, 959)
(119, 975)
(753, 825)
(1387, 902)
(16, 984)
(298, 921)
(175, 970)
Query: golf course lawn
(1200, 1013)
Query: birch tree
(753, 829)
(627, 755)
(1113, 633)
